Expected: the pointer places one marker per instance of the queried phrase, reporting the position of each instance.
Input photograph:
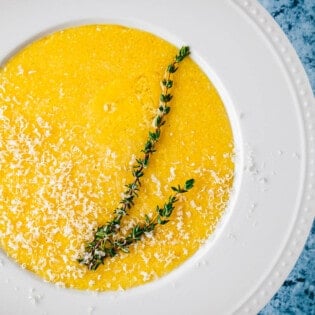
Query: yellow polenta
(75, 111)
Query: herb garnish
(107, 242)
(104, 245)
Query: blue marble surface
(297, 294)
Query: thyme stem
(105, 238)
(103, 246)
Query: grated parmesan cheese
(71, 131)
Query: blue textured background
(296, 18)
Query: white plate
(271, 106)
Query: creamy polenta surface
(75, 111)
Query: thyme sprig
(106, 234)
(104, 246)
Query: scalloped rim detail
(306, 104)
